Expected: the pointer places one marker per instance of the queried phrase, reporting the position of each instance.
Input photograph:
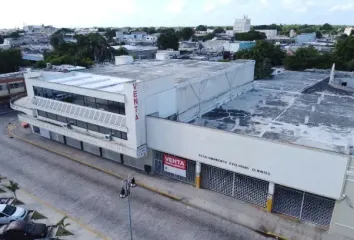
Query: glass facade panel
(97, 103)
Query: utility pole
(125, 192)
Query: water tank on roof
(124, 59)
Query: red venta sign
(175, 165)
(136, 101)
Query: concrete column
(269, 206)
(198, 167)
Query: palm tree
(62, 223)
(13, 187)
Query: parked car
(22, 230)
(10, 213)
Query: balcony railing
(85, 114)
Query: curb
(109, 172)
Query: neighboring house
(140, 52)
(11, 84)
(150, 38)
(270, 33)
(348, 30)
(305, 38)
(230, 32)
(242, 25)
(13, 42)
(224, 45)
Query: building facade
(137, 114)
(242, 25)
(270, 33)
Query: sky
(140, 13)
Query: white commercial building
(277, 144)
(242, 25)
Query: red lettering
(136, 109)
(134, 85)
(135, 94)
(135, 102)
(136, 117)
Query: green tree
(62, 223)
(266, 56)
(318, 34)
(40, 64)
(326, 27)
(10, 60)
(304, 58)
(344, 51)
(186, 33)
(250, 36)
(121, 51)
(167, 40)
(13, 187)
(229, 28)
(201, 28)
(219, 30)
(151, 30)
(166, 30)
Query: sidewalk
(53, 216)
(214, 203)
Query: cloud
(209, 7)
(299, 6)
(225, 2)
(264, 2)
(343, 7)
(176, 6)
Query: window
(105, 130)
(124, 136)
(42, 113)
(91, 102)
(71, 121)
(61, 119)
(1, 88)
(14, 85)
(92, 127)
(51, 116)
(116, 133)
(36, 130)
(9, 210)
(82, 124)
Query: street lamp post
(125, 192)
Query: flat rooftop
(181, 70)
(278, 110)
(109, 78)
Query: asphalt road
(93, 197)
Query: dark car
(21, 230)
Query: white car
(10, 213)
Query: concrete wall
(342, 219)
(213, 90)
(306, 169)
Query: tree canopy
(309, 57)
(250, 36)
(87, 50)
(201, 28)
(219, 30)
(168, 40)
(186, 33)
(266, 56)
(10, 60)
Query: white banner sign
(174, 165)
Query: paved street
(93, 197)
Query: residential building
(140, 52)
(348, 30)
(305, 38)
(230, 32)
(292, 33)
(225, 45)
(285, 148)
(242, 25)
(11, 84)
(270, 33)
